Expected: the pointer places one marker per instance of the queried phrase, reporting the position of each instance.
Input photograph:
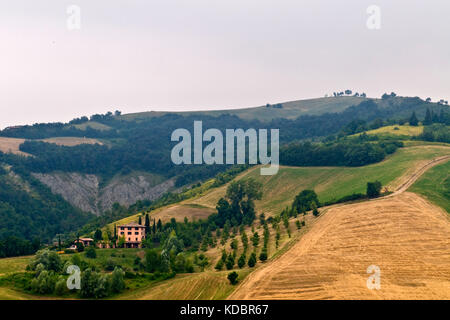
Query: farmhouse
(85, 241)
(133, 233)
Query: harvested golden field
(405, 236)
(71, 141)
(195, 286)
(11, 145)
(178, 211)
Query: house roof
(132, 224)
(86, 239)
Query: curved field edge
(434, 185)
(331, 183)
(405, 236)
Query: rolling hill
(330, 183)
(405, 236)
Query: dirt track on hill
(403, 234)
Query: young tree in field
(98, 236)
(219, 265)
(298, 224)
(252, 260)
(91, 253)
(147, 224)
(230, 261)
(314, 210)
(263, 255)
(241, 261)
(59, 242)
(304, 200)
(255, 239)
(152, 260)
(244, 240)
(234, 244)
(117, 282)
(373, 189)
(140, 220)
(238, 204)
(159, 225)
(413, 121)
(233, 277)
(428, 118)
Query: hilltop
(114, 164)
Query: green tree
(263, 255)
(255, 239)
(241, 260)
(230, 262)
(219, 265)
(314, 210)
(252, 260)
(428, 118)
(233, 277)
(413, 121)
(304, 201)
(91, 253)
(117, 280)
(373, 189)
(98, 235)
(152, 260)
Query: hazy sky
(189, 54)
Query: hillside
(330, 183)
(434, 185)
(112, 158)
(289, 110)
(405, 236)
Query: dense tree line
(345, 153)
(14, 246)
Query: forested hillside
(142, 144)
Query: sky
(175, 55)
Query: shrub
(219, 265)
(91, 253)
(241, 261)
(49, 259)
(263, 255)
(230, 262)
(61, 286)
(373, 189)
(117, 282)
(233, 277)
(252, 260)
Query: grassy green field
(331, 183)
(92, 125)
(290, 110)
(16, 264)
(209, 285)
(435, 185)
(397, 130)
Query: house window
(129, 233)
(122, 233)
(136, 233)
